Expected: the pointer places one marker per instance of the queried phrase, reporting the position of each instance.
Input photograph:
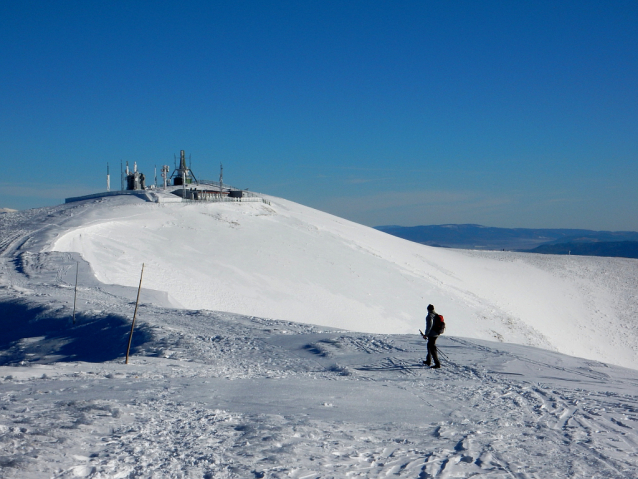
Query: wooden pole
(75, 297)
(130, 338)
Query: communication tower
(183, 175)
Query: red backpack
(438, 326)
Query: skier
(431, 335)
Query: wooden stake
(130, 338)
(75, 297)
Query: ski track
(493, 410)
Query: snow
(286, 261)
(273, 340)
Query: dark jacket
(429, 321)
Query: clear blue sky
(502, 113)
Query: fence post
(75, 296)
(130, 338)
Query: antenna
(121, 177)
(221, 178)
(155, 176)
(183, 171)
(165, 171)
(108, 178)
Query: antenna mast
(183, 174)
(165, 171)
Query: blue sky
(512, 114)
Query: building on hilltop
(134, 179)
(182, 185)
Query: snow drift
(219, 394)
(285, 261)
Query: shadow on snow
(36, 334)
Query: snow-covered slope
(212, 394)
(216, 395)
(285, 261)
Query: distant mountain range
(546, 241)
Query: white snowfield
(287, 261)
(276, 341)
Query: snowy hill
(278, 341)
(286, 261)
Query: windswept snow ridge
(286, 261)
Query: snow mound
(285, 261)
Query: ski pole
(441, 353)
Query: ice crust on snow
(220, 393)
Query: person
(431, 336)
